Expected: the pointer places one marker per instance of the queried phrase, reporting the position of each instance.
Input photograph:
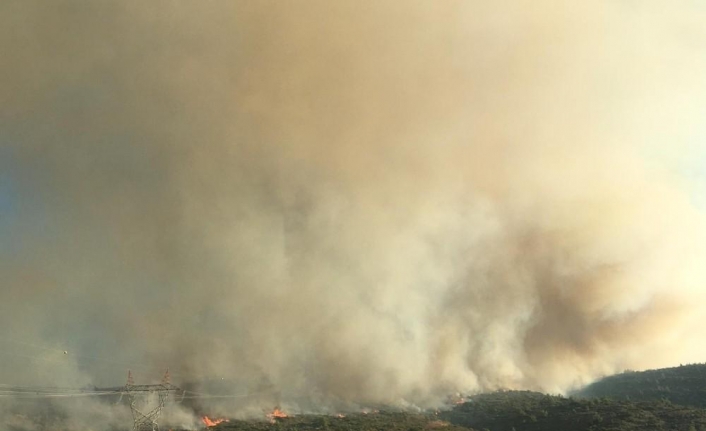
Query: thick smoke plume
(349, 203)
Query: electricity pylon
(140, 397)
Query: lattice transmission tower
(142, 398)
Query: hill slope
(506, 411)
(672, 399)
(532, 411)
(685, 385)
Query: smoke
(349, 203)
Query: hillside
(505, 411)
(685, 385)
(531, 411)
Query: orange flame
(277, 413)
(212, 422)
(456, 398)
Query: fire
(340, 415)
(212, 422)
(457, 399)
(277, 413)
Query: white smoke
(349, 203)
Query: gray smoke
(348, 203)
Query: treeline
(532, 411)
(670, 399)
(685, 385)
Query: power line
(7, 390)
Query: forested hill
(532, 411)
(685, 385)
(503, 411)
(670, 399)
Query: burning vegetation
(212, 422)
(277, 413)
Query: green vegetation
(506, 411)
(532, 411)
(672, 399)
(685, 385)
